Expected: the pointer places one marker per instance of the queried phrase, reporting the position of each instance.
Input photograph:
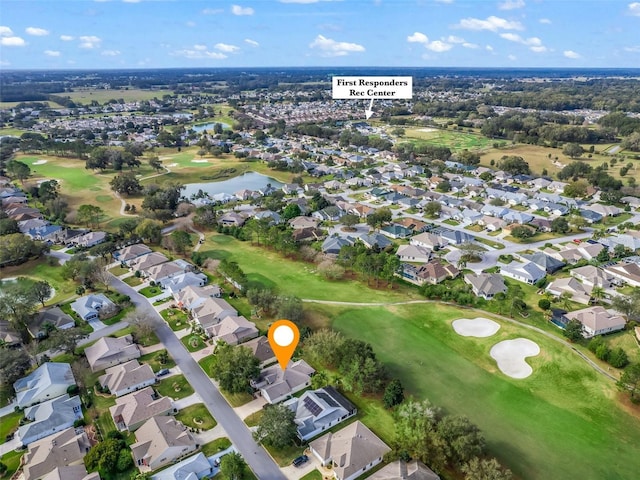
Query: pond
(208, 126)
(249, 181)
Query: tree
(544, 304)
(349, 221)
(630, 381)
(8, 226)
(155, 163)
(485, 469)
(393, 394)
(514, 297)
(432, 209)
(18, 170)
(560, 225)
(48, 190)
(573, 150)
(179, 240)
(522, 232)
(149, 231)
(276, 427)
(577, 189)
(16, 248)
(104, 455)
(90, 215)
(379, 217)
(464, 440)
(360, 370)
(126, 184)
(471, 251)
(514, 165)
(13, 365)
(573, 330)
(41, 290)
(323, 346)
(234, 367)
(290, 211)
(618, 358)
(232, 465)
(597, 293)
(141, 323)
(65, 340)
(290, 307)
(444, 186)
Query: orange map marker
(283, 338)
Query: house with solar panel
(319, 410)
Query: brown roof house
(108, 351)
(131, 411)
(353, 450)
(233, 330)
(433, 272)
(276, 384)
(596, 321)
(486, 285)
(160, 441)
(51, 316)
(261, 350)
(127, 378)
(401, 470)
(72, 472)
(58, 450)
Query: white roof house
(46, 382)
(89, 306)
(276, 384)
(523, 272)
(50, 417)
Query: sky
(103, 34)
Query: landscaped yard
(196, 416)
(216, 446)
(175, 387)
(207, 363)
(12, 461)
(150, 291)
(313, 475)
(153, 359)
(544, 426)
(177, 319)
(145, 341)
(237, 399)
(9, 424)
(117, 271)
(284, 456)
(193, 342)
(132, 281)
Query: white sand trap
(39, 162)
(510, 355)
(201, 160)
(477, 327)
(427, 129)
(172, 165)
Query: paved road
(260, 462)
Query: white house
(46, 382)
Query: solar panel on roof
(312, 406)
(327, 398)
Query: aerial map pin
(283, 338)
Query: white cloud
(52, 53)
(571, 54)
(190, 24)
(491, 23)
(534, 43)
(5, 31)
(199, 54)
(511, 5)
(238, 10)
(225, 47)
(131, 1)
(438, 46)
(538, 49)
(546, 21)
(36, 32)
(110, 53)
(418, 37)
(444, 1)
(488, 48)
(332, 48)
(253, 43)
(12, 42)
(90, 41)
(66, 38)
(512, 57)
(470, 45)
(634, 49)
(634, 9)
(454, 39)
(200, 47)
(212, 11)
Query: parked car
(217, 461)
(161, 373)
(302, 459)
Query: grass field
(153, 360)
(550, 425)
(38, 269)
(101, 95)
(9, 424)
(196, 416)
(291, 277)
(455, 140)
(175, 387)
(217, 445)
(12, 461)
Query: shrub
(73, 389)
(544, 304)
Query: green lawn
(237, 399)
(284, 456)
(152, 360)
(175, 387)
(217, 445)
(550, 425)
(9, 424)
(193, 342)
(117, 271)
(253, 419)
(206, 363)
(197, 416)
(150, 291)
(292, 277)
(132, 281)
(453, 139)
(40, 270)
(177, 319)
(146, 341)
(313, 475)
(12, 461)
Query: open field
(38, 269)
(455, 140)
(101, 95)
(16, 132)
(292, 277)
(550, 425)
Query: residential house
(39, 325)
(604, 210)
(590, 216)
(231, 219)
(58, 450)
(72, 472)
(486, 285)
(556, 186)
(166, 271)
(628, 273)
(89, 307)
(211, 311)
(127, 377)
(549, 264)
(109, 351)
(47, 233)
(492, 224)
(593, 276)
(184, 280)
(48, 381)
(432, 272)
(413, 253)
(454, 237)
(494, 211)
(330, 213)
(87, 240)
(541, 224)
(319, 410)
(375, 240)
(514, 216)
(597, 321)
(161, 440)
(629, 240)
(131, 411)
(572, 253)
(528, 272)
(144, 262)
(262, 350)
(272, 217)
(333, 244)
(402, 470)
(126, 254)
(396, 231)
(416, 226)
(49, 417)
(429, 240)
(353, 450)
(192, 296)
(580, 293)
(303, 222)
(538, 183)
(468, 216)
(310, 234)
(232, 329)
(9, 337)
(276, 384)
(194, 467)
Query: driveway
(187, 401)
(256, 457)
(243, 411)
(10, 446)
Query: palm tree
(597, 293)
(515, 294)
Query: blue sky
(52, 34)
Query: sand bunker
(172, 165)
(39, 162)
(510, 355)
(427, 129)
(200, 160)
(477, 327)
